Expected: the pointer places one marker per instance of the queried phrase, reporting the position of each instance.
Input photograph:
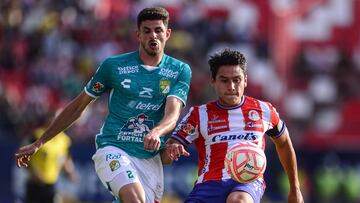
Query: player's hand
(22, 156)
(175, 150)
(152, 140)
(295, 196)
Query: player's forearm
(64, 120)
(171, 115)
(167, 124)
(60, 123)
(288, 160)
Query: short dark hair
(155, 13)
(227, 57)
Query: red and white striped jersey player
(218, 125)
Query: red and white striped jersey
(214, 129)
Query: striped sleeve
(277, 125)
(188, 129)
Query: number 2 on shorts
(130, 174)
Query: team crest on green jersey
(165, 86)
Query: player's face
(152, 36)
(229, 84)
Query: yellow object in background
(49, 160)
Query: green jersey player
(147, 91)
(138, 96)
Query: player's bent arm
(172, 113)
(70, 113)
(167, 124)
(287, 157)
(67, 116)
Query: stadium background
(304, 57)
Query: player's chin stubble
(150, 51)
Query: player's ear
(212, 81)
(137, 32)
(168, 33)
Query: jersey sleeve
(277, 126)
(188, 129)
(180, 89)
(99, 83)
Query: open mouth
(153, 44)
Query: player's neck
(224, 105)
(150, 60)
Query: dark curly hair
(155, 13)
(227, 57)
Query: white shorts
(116, 168)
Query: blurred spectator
(45, 166)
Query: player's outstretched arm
(167, 124)
(287, 158)
(70, 113)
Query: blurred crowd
(303, 56)
(48, 51)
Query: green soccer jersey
(137, 98)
